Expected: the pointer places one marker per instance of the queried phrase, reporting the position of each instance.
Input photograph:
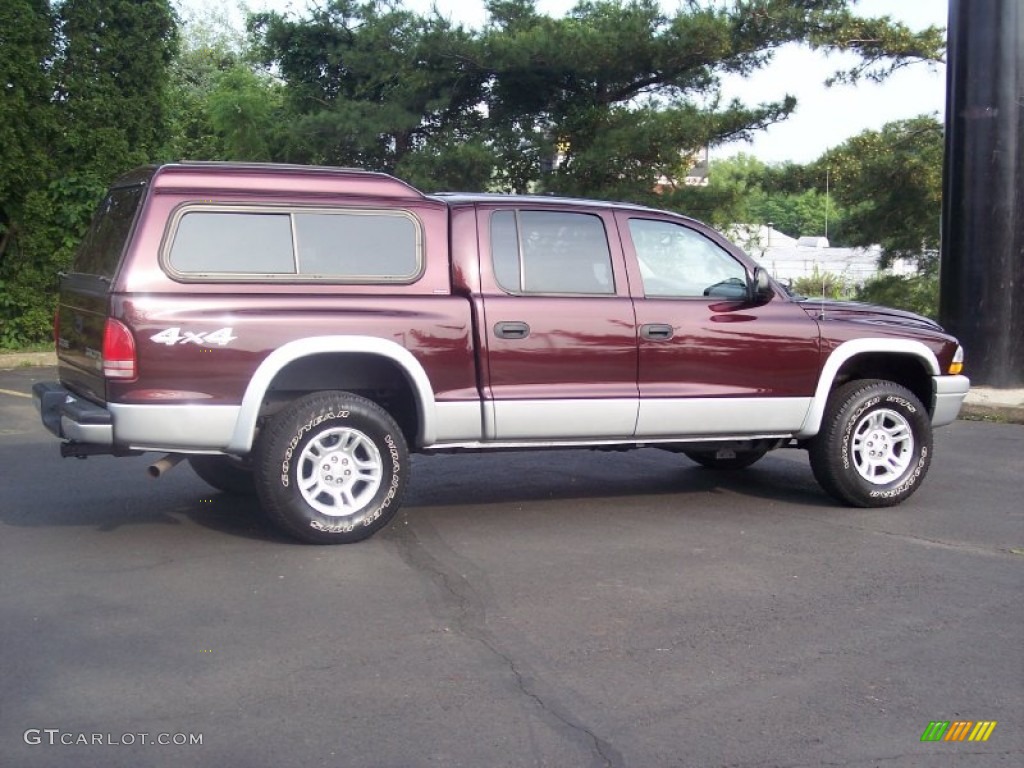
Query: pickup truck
(296, 332)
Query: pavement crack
(464, 600)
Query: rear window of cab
(293, 244)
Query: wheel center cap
(335, 468)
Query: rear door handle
(657, 331)
(511, 330)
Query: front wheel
(875, 444)
(331, 468)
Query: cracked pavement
(548, 609)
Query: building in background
(788, 259)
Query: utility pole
(982, 265)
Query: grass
(45, 347)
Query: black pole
(982, 268)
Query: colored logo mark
(959, 730)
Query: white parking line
(14, 394)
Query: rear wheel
(331, 468)
(875, 444)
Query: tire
(727, 459)
(875, 444)
(331, 468)
(225, 473)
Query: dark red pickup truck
(296, 332)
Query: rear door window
(551, 252)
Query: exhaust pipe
(166, 464)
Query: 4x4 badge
(222, 337)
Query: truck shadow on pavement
(581, 474)
(107, 494)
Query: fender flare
(276, 361)
(848, 350)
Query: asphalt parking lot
(524, 609)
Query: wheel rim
(882, 446)
(339, 472)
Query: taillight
(118, 351)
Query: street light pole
(982, 263)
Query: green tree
(209, 47)
(112, 82)
(370, 83)
(27, 133)
(631, 92)
(620, 92)
(245, 112)
(26, 119)
(916, 293)
(745, 191)
(890, 184)
(91, 78)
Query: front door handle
(657, 331)
(511, 330)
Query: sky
(824, 117)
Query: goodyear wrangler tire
(875, 444)
(331, 468)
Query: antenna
(821, 305)
(826, 191)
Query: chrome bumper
(948, 395)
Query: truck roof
(212, 177)
(473, 198)
(209, 177)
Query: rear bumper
(950, 392)
(70, 417)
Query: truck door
(558, 325)
(710, 361)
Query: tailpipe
(164, 465)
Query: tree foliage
(620, 92)
(890, 184)
(84, 100)
(750, 192)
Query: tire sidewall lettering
(851, 422)
(908, 482)
(367, 518)
(910, 478)
(297, 438)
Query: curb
(1008, 414)
(27, 360)
(977, 407)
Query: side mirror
(761, 286)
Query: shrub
(822, 284)
(917, 293)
